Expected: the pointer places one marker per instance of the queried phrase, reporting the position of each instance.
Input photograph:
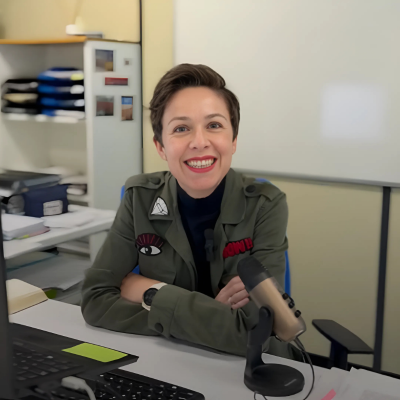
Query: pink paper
(330, 395)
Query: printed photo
(127, 108)
(104, 106)
(104, 60)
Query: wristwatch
(149, 294)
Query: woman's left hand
(133, 287)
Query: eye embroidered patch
(149, 244)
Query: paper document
(69, 220)
(366, 385)
(369, 395)
(329, 385)
(77, 216)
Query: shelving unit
(105, 148)
(42, 118)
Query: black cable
(304, 353)
(303, 350)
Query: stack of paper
(355, 385)
(18, 226)
(364, 385)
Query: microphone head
(252, 272)
(209, 234)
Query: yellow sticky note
(94, 352)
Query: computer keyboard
(118, 385)
(30, 364)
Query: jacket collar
(233, 206)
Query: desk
(103, 222)
(217, 376)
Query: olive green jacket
(148, 231)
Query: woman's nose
(199, 139)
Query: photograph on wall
(104, 106)
(116, 81)
(126, 108)
(104, 60)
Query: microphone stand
(274, 380)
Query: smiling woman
(180, 226)
(197, 139)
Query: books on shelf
(22, 295)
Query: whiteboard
(318, 81)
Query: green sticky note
(94, 352)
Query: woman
(188, 287)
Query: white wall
(318, 81)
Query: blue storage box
(47, 201)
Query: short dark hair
(190, 75)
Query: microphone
(265, 291)
(209, 246)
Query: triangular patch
(160, 208)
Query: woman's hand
(133, 287)
(234, 294)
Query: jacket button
(155, 181)
(159, 327)
(250, 189)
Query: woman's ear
(160, 149)
(234, 144)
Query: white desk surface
(14, 248)
(217, 376)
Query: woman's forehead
(195, 102)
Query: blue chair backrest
(288, 284)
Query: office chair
(343, 342)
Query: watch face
(149, 295)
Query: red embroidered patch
(235, 248)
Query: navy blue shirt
(198, 215)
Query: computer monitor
(6, 358)
(21, 339)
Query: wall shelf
(42, 118)
(66, 40)
(105, 148)
(85, 199)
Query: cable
(78, 384)
(303, 350)
(304, 353)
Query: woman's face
(197, 140)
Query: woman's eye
(215, 125)
(150, 250)
(180, 129)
